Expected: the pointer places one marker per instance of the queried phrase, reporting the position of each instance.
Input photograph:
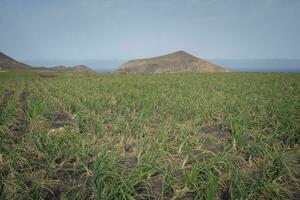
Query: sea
(238, 65)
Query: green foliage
(164, 136)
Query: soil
(3, 102)
(215, 130)
(127, 161)
(151, 189)
(156, 185)
(62, 119)
(18, 128)
(215, 136)
(187, 196)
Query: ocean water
(259, 65)
(239, 65)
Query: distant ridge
(76, 68)
(177, 62)
(7, 62)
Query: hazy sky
(126, 29)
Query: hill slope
(177, 62)
(7, 62)
(76, 68)
(82, 68)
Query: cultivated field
(181, 136)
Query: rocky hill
(7, 63)
(177, 62)
(76, 68)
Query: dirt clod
(152, 188)
(62, 119)
(156, 185)
(215, 130)
(128, 161)
(215, 136)
(187, 196)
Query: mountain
(7, 62)
(76, 68)
(82, 68)
(177, 62)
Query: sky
(128, 29)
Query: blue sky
(127, 29)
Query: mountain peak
(180, 52)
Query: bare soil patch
(62, 119)
(187, 196)
(127, 161)
(215, 136)
(215, 130)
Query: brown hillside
(7, 62)
(177, 62)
